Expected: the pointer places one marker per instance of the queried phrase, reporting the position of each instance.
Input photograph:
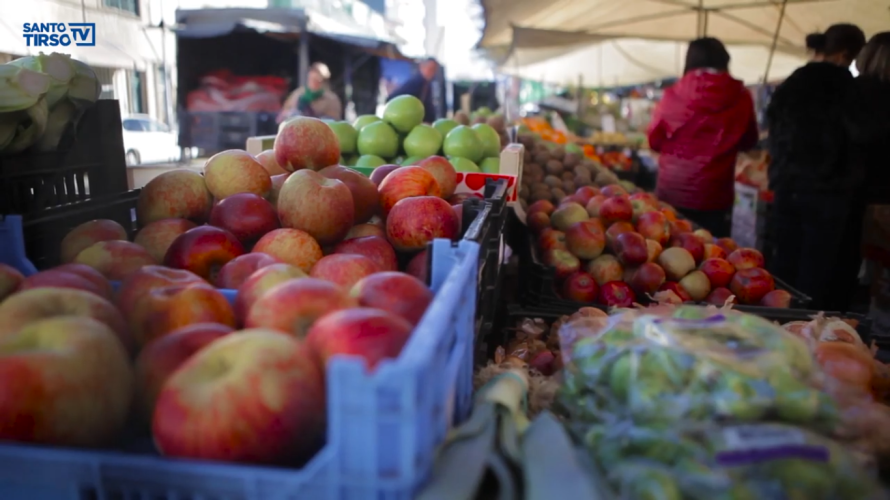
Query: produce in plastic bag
(711, 462)
(661, 365)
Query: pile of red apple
(313, 254)
(614, 248)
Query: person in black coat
(809, 173)
(421, 87)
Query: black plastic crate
(43, 233)
(217, 131)
(88, 163)
(539, 285)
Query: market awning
(562, 58)
(735, 22)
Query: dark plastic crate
(43, 233)
(539, 285)
(88, 164)
(217, 131)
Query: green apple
(463, 164)
(445, 125)
(491, 141)
(464, 143)
(369, 161)
(411, 160)
(346, 136)
(404, 113)
(491, 165)
(378, 139)
(574, 148)
(350, 160)
(364, 120)
(423, 141)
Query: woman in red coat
(700, 125)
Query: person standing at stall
(700, 125)
(315, 99)
(421, 87)
(814, 187)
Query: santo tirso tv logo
(60, 34)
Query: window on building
(131, 6)
(137, 92)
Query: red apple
(704, 235)
(255, 396)
(166, 309)
(443, 172)
(654, 226)
(373, 247)
(344, 269)
(157, 237)
(777, 298)
(594, 205)
(115, 259)
(414, 222)
(247, 216)
(616, 208)
(551, 238)
(668, 212)
(647, 198)
(673, 286)
(691, 243)
(586, 193)
(363, 230)
(293, 306)
(382, 172)
(605, 268)
(544, 362)
(237, 270)
(541, 205)
(88, 233)
(406, 182)
(161, 358)
(613, 190)
(261, 282)
(616, 294)
(305, 142)
(398, 293)
(64, 278)
(365, 198)
(10, 280)
(277, 182)
(752, 284)
(719, 296)
(641, 207)
(712, 251)
(372, 334)
(537, 221)
(718, 271)
(647, 279)
(291, 246)
(322, 207)
(586, 239)
(680, 226)
(580, 287)
(66, 382)
(745, 258)
(417, 266)
(203, 251)
(631, 249)
(677, 262)
(140, 282)
(235, 171)
(563, 261)
(268, 161)
(697, 284)
(178, 193)
(654, 248)
(566, 215)
(727, 244)
(616, 229)
(577, 200)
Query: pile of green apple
(400, 137)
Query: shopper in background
(421, 87)
(810, 175)
(700, 125)
(314, 99)
(815, 45)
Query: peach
(293, 306)
(320, 206)
(235, 171)
(260, 282)
(157, 237)
(203, 250)
(365, 198)
(166, 309)
(305, 142)
(398, 293)
(371, 334)
(291, 246)
(115, 259)
(175, 194)
(237, 270)
(88, 233)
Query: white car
(147, 140)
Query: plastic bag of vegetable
(662, 365)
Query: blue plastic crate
(383, 427)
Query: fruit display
(613, 247)
(400, 138)
(335, 266)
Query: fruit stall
(392, 309)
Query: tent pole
(772, 49)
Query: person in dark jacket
(421, 87)
(814, 188)
(700, 125)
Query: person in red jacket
(700, 125)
